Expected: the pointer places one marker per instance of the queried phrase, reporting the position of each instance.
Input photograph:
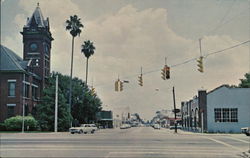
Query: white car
(84, 128)
(246, 130)
(125, 126)
(157, 126)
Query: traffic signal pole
(200, 46)
(56, 105)
(175, 122)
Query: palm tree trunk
(87, 63)
(70, 83)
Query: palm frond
(74, 25)
(88, 48)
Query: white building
(120, 115)
(223, 109)
(228, 109)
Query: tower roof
(37, 18)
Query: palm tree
(74, 25)
(88, 50)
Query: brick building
(22, 80)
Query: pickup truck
(84, 128)
(246, 130)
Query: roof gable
(10, 61)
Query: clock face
(33, 47)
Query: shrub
(2, 127)
(15, 123)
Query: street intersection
(133, 142)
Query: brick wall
(18, 99)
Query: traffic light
(165, 72)
(92, 91)
(117, 86)
(200, 64)
(140, 80)
(121, 85)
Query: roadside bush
(15, 123)
(2, 127)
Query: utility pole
(249, 48)
(175, 123)
(56, 103)
(249, 57)
(23, 102)
(200, 46)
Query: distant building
(223, 109)
(191, 112)
(166, 118)
(22, 80)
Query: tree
(245, 83)
(88, 50)
(45, 112)
(84, 105)
(74, 25)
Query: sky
(130, 34)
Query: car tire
(72, 132)
(248, 134)
(85, 132)
(93, 131)
(80, 132)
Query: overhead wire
(221, 23)
(186, 61)
(222, 19)
(216, 52)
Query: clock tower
(37, 45)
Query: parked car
(157, 126)
(84, 128)
(173, 127)
(246, 130)
(125, 126)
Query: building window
(11, 88)
(26, 110)
(234, 115)
(226, 115)
(26, 90)
(217, 115)
(34, 92)
(37, 62)
(10, 110)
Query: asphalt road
(133, 142)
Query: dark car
(173, 127)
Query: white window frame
(229, 119)
(12, 81)
(11, 104)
